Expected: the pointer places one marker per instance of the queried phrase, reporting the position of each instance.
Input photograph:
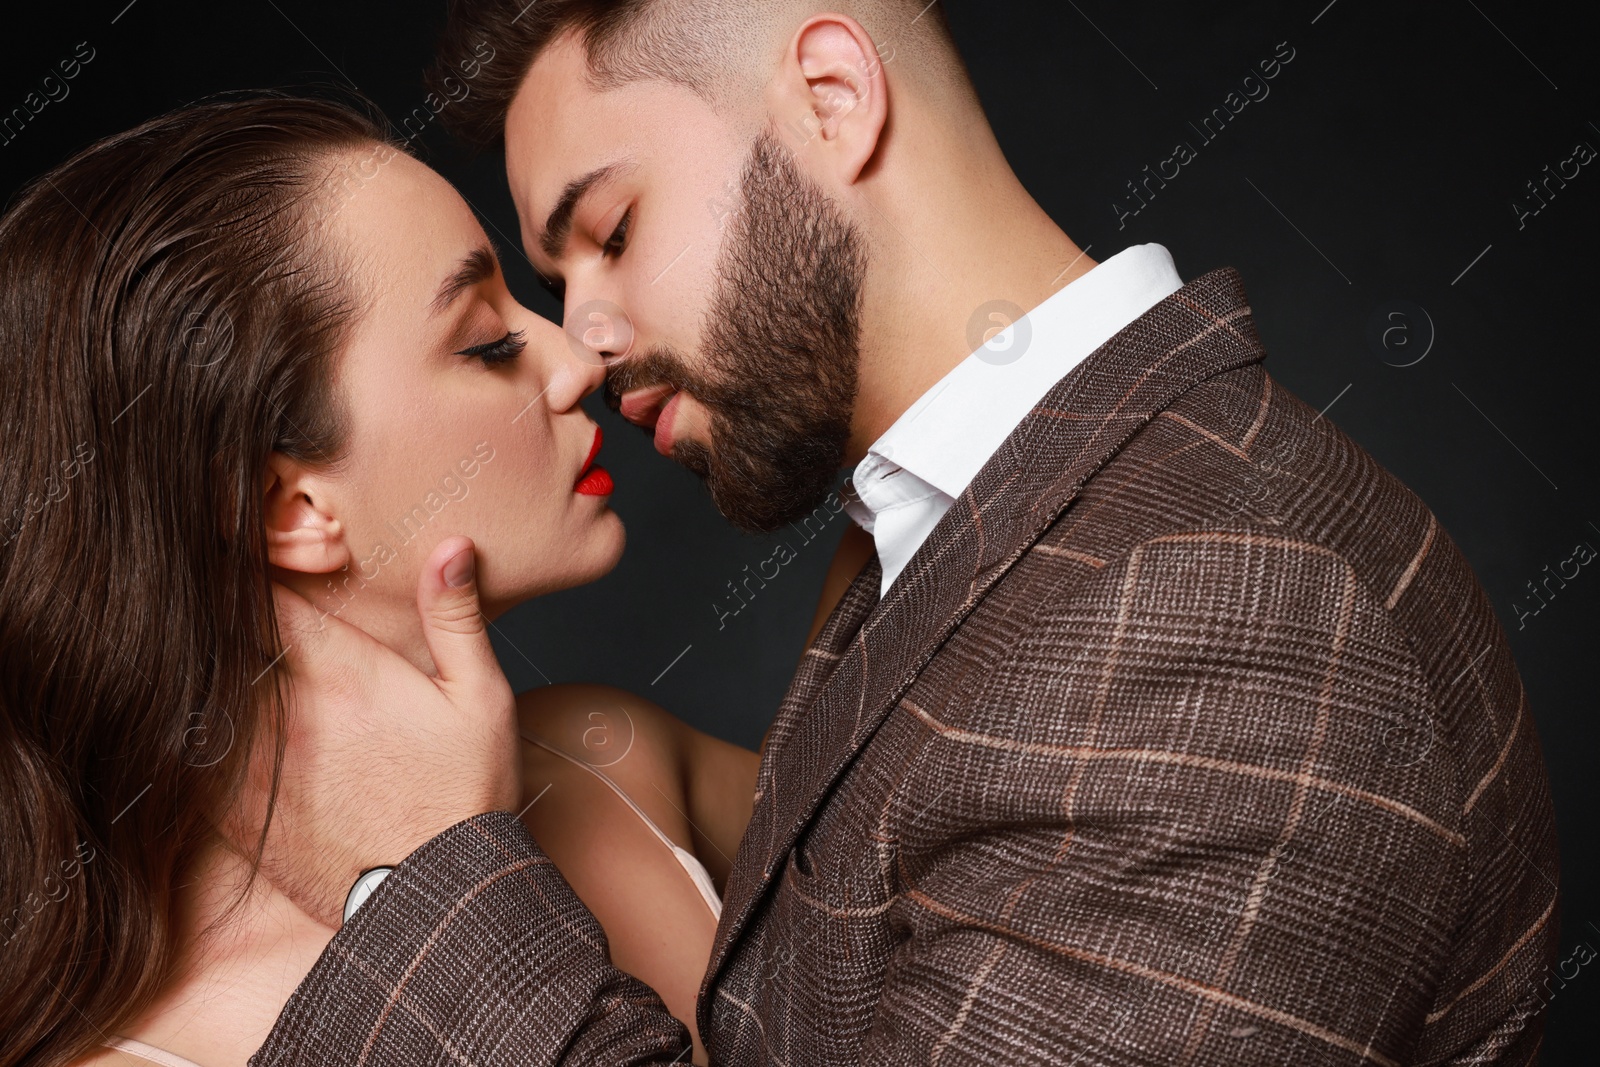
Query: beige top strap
(149, 1052)
(686, 859)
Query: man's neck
(953, 261)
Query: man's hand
(380, 757)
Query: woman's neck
(238, 962)
(391, 621)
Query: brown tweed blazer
(1188, 737)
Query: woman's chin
(604, 551)
(609, 540)
(597, 557)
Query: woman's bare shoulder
(651, 754)
(602, 724)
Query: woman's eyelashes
(619, 236)
(494, 353)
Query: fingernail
(458, 572)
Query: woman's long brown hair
(167, 320)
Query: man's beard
(781, 349)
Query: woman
(251, 342)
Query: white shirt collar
(913, 473)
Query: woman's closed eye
(494, 353)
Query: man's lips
(652, 407)
(664, 423)
(641, 406)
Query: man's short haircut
(703, 45)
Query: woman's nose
(574, 370)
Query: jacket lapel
(869, 653)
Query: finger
(452, 622)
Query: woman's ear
(303, 534)
(831, 97)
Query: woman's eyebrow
(476, 266)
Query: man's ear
(303, 534)
(831, 98)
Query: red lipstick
(592, 480)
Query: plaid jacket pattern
(1188, 737)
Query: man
(1160, 726)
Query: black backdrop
(1374, 195)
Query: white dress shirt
(916, 470)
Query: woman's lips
(596, 483)
(594, 450)
(592, 480)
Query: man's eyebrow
(476, 266)
(559, 225)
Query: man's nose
(599, 331)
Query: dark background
(1381, 168)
